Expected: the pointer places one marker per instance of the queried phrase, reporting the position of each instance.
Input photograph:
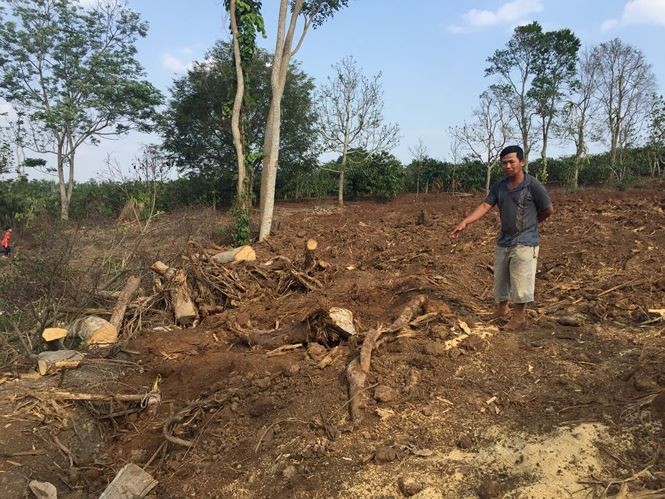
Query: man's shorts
(515, 273)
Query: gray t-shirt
(519, 208)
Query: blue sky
(431, 53)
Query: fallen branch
(67, 395)
(124, 299)
(358, 369)
(178, 417)
(620, 286)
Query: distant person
(523, 203)
(5, 246)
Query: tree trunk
(272, 134)
(543, 158)
(125, 297)
(488, 177)
(64, 200)
(241, 197)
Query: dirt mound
(452, 406)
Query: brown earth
(573, 405)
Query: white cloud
(644, 12)
(609, 24)
(454, 28)
(172, 63)
(638, 12)
(507, 13)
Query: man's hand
(475, 215)
(455, 234)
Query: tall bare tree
(314, 13)
(656, 140)
(580, 111)
(351, 115)
(626, 86)
(419, 153)
(487, 134)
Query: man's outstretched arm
(476, 214)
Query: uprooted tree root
(358, 369)
(190, 413)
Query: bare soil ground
(574, 406)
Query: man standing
(523, 203)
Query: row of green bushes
(379, 175)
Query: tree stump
(54, 333)
(181, 296)
(310, 263)
(94, 330)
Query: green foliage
(379, 175)
(321, 10)
(73, 73)
(241, 224)
(196, 126)
(23, 201)
(240, 211)
(250, 24)
(535, 70)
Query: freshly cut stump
(310, 263)
(94, 330)
(54, 333)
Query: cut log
(341, 320)
(310, 263)
(131, 482)
(235, 255)
(54, 333)
(43, 490)
(183, 306)
(50, 362)
(95, 331)
(358, 369)
(100, 397)
(125, 297)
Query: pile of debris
(208, 282)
